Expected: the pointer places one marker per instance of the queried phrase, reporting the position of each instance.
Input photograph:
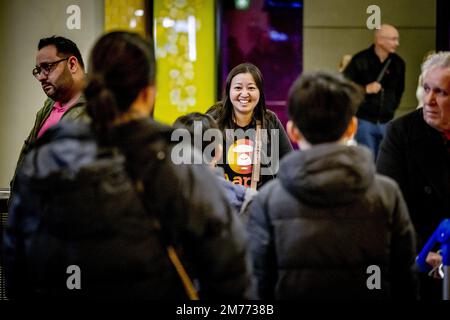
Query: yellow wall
(186, 76)
(125, 15)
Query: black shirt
(238, 149)
(365, 68)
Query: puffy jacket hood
(61, 169)
(328, 174)
(67, 147)
(71, 147)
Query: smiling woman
(244, 95)
(239, 115)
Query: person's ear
(148, 95)
(351, 129)
(145, 101)
(73, 64)
(293, 132)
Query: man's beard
(62, 89)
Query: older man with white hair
(416, 153)
(382, 73)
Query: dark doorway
(442, 25)
(268, 34)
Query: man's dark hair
(321, 105)
(63, 45)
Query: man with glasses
(60, 71)
(381, 72)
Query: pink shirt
(447, 135)
(58, 111)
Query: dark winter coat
(414, 154)
(118, 244)
(364, 68)
(316, 229)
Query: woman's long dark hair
(121, 65)
(223, 110)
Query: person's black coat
(364, 68)
(315, 230)
(414, 155)
(117, 244)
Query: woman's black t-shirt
(238, 148)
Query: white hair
(440, 59)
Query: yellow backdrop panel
(184, 38)
(125, 15)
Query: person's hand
(434, 259)
(373, 87)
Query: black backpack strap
(171, 252)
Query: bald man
(382, 73)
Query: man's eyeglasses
(46, 68)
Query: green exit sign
(242, 4)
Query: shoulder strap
(173, 256)
(187, 282)
(256, 157)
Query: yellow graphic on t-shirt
(240, 155)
